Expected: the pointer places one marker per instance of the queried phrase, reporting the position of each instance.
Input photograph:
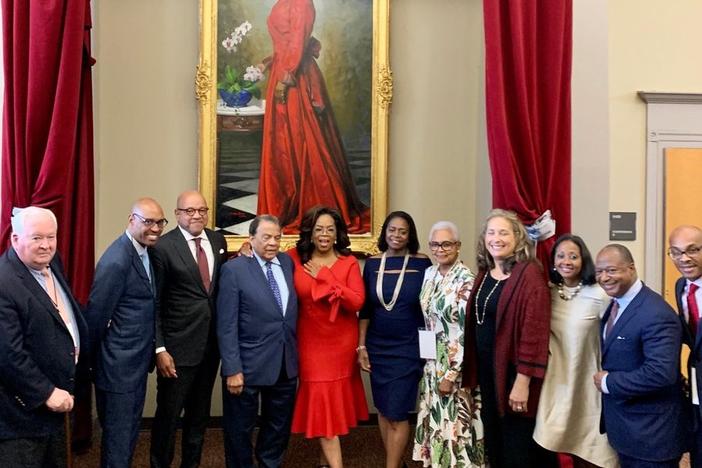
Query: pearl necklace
(478, 319)
(563, 295)
(398, 285)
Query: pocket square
(619, 337)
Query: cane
(67, 427)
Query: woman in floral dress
(449, 431)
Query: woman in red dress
(330, 291)
(303, 163)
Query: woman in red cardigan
(507, 335)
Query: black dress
(392, 340)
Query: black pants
(240, 411)
(509, 440)
(191, 394)
(36, 452)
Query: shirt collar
(698, 282)
(141, 250)
(263, 262)
(189, 237)
(629, 296)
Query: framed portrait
(294, 99)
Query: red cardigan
(521, 336)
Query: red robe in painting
(303, 163)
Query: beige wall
(651, 49)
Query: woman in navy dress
(388, 341)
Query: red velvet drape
(528, 68)
(47, 148)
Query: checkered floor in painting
(237, 181)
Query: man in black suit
(42, 333)
(685, 249)
(186, 262)
(257, 329)
(121, 318)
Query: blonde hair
(523, 250)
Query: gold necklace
(479, 320)
(565, 296)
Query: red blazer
(521, 337)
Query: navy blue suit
(121, 318)
(37, 353)
(693, 362)
(643, 413)
(255, 338)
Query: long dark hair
(305, 247)
(412, 240)
(587, 271)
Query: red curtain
(47, 140)
(528, 68)
(47, 150)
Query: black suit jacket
(185, 319)
(36, 350)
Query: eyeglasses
(148, 222)
(676, 254)
(191, 211)
(445, 245)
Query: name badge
(427, 344)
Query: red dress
(303, 163)
(330, 399)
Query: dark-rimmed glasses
(676, 254)
(445, 245)
(148, 222)
(191, 211)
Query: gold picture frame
(381, 89)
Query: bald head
(146, 221)
(685, 249)
(192, 212)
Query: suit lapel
(626, 316)
(260, 278)
(35, 288)
(217, 247)
(186, 256)
(287, 272)
(137, 263)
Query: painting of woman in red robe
(303, 161)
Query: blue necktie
(147, 265)
(273, 285)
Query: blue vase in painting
(238, 99)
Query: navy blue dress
(392, 341)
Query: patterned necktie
(273, 285)
(57, 300)
(612, 317)
(202, 264)
(693, 311)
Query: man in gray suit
(256, 328)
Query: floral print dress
(449, 431)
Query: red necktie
(202, 264)
(693, 311)
(612, 317)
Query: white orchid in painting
(253, 74)
(236, 37)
